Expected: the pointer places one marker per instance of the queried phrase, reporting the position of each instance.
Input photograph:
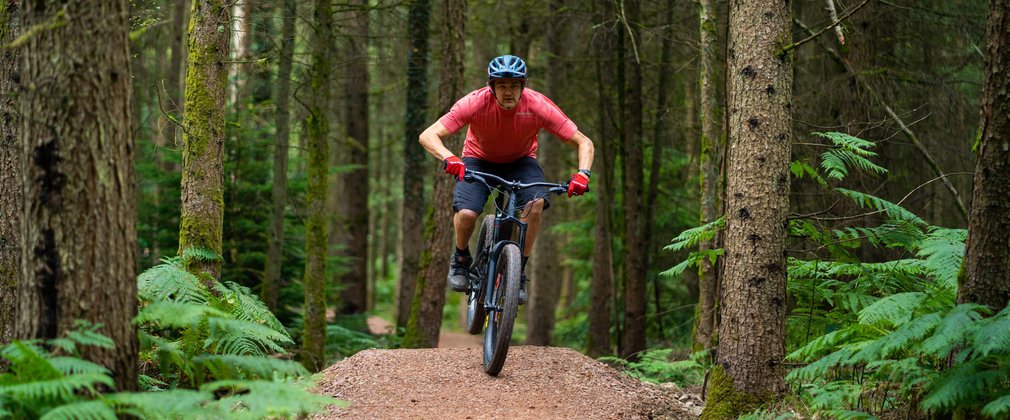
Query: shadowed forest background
(275, 156)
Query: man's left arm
(579, 182)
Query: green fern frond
(849, 415)
(848, 142)
(822, 345)
(959, 384)
(892, 234)
(693, 260)
(199, 254)
(28, 362)
(170, 281)
(820, 368)
(179, 315)
(248, 307)
(892, 210)
(895, 309)
(993, 335)
(835, 394)
(174, 404)
(691, 237)
(86, 333)
(998, 408)
(81, 410)
(250, 367)
(73, 365)
(952, 330)
(943, 251)
(260, 399)
(238, 337)
(836, 163)
(59, 389)
(801, 168)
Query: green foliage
(849, 152)
(657, 366)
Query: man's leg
(531, 216)
(464, 222)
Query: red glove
(454, 166)
(578, 184)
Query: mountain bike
(493, 294)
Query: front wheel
(505, 306)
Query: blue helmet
(505, 67)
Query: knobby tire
(505, 295)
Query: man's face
(508, 91)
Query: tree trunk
(241, 41)
(412, 218)
(202, 220)
(545, 278)
(598, 342)
(79, 199)
(438, 228)
(353, 219)
(316, 226)
(633, 338)
(10, 171)
(709, 158)
(985, 278)
(176, 71)
(279, 193)
(753, 302)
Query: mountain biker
(504, 119)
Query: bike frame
(504, 217)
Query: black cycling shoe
(458, 272)
(522, 289)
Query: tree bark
(202, 220)
(316, 226)
(79, 200)
(10, 171)
(545, 278)
(412, 217)
(177, 69)
(985, 278)
(598, 342)
(241, 41)
(439, 231)
(353, 208)
(753, 302)
(633, 337)
(708, 278)
(279, 193)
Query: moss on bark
(724, 400)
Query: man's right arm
(431, 140)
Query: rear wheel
(501, 318)
(475, 298)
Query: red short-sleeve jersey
(503, 135)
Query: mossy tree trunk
(633, 334)
(985, 278)
(545, 274)
(438, 231)
(202, 220)
(598, 342)
(353, 214)
(412, 219)
(10, 169)
(753, 302)
(74, 99)
(710, 117)
(279, 191)
(316, 227)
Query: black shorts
(473, 195)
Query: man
(504, 119)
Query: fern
(169, 281)
(892, 210)
(249, 367)
(173, 314)
(998, 408)
(959, 384)
(258, 399)
(952, 330)
(82, 410)
(943, 251)
(992, 336)
(892, 310)
(692, 237)
(799, 169)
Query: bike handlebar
(471, 176)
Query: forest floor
(536, 382)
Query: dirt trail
(536, 383)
